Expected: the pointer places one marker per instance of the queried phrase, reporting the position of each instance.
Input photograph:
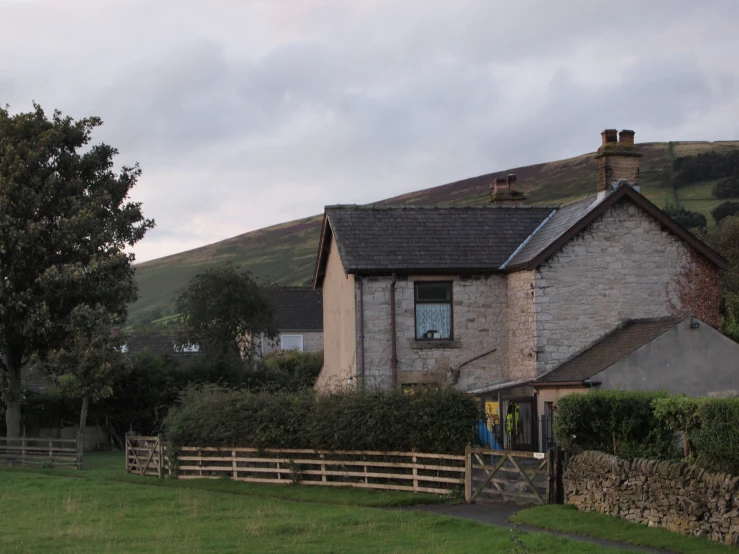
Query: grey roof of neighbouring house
(613, 347)
(297, 308)
(564, 218)
(381, 239)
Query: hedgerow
(438, 421)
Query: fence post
(161, 456)
(415, 471)
(233, 464)
(468, 474)
(323, 469)
(80, 449)
(51, 452)
(558, 458)
(551, 482)
(23, 449)
(128, 455)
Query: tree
(65, 223)
(90, 363)
(224, 308)
(686, 218)
(725, 209)
(728, 187)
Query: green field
(286, 253)
(101, 509)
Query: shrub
(686, 218)
(437, 421)
(716, 440)
(728, 187)
(725, 209)
(290, 369)
(680, 415)
(617, 422)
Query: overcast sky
(245, 114)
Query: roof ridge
(372, 207)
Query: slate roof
(414, 238)
(618, 344)
(562, 220)
(297, 308)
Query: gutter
(394, 347)
(586, 383)
(525, 242)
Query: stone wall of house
(671, 495)
(312, 341)
(477, 356)
(623, 266)
(521, 325)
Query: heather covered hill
(285, 253)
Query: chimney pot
(626, 137)
(609, 136)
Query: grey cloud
(245, 114)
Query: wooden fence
(42, 452)
(485, 474)
(507, 475)
(147, 456)
(399, 471)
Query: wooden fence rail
(399, 471)
(29, 451)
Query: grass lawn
(101, 509)
(568, 519)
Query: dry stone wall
(672, 495)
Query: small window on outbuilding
(291, 342)
(433, 302)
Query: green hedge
(716, 437)
(617, 422)
(438, 421)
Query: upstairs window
(291, 342)
(433, 311)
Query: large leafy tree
(224, 308)
(90, 363)
(65, 222)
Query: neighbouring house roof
(297, 308)
(416, 239)
(616, 345)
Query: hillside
(286, 253)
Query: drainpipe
(394, 355)
(361, 330)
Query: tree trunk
(13, 399)
(83, 413)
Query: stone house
(490, 299)
(299, 319)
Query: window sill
(424, 344)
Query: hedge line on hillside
(645, 425)
(437, 421)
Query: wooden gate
(507, 475)
(146, 456)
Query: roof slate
(297, 308)
(618, 344)
(416, 238)
(564, 218)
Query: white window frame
(299, 348)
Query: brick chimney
(503, 192)
(618, 158)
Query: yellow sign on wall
(492, 414)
